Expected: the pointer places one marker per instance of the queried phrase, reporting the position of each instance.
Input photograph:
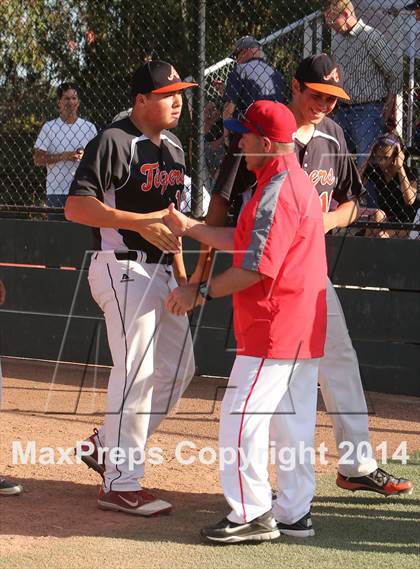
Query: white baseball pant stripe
(253, 397)
(342, 391)
(152, 355)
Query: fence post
(199, 61)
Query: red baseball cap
(270, 119)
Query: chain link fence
(95, 47)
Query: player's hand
(176, 221)
(183, 299)
(329, 221)
(152, 228)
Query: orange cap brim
(329, 90)
(174, 87)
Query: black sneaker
(262, 528)
(378, 481)
(8, 488)
(301, 528)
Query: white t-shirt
(58, 136)
(186, 199)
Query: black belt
(162, 259)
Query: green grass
(358, 530)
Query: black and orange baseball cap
(412, 6)
(321, 73)
(157, 77)
(269, 119)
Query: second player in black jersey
(322, 153)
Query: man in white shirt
(60, 146)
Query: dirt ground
(56, 408)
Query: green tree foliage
(98, 44)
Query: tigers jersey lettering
(322, 177)
(124, 169)
(160, 178)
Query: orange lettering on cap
(173, 74)
(334, 75)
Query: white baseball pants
(152, 355)
(342, 391)
(266, 395)
(341, 386)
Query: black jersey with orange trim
(325, 159)
(124, 169)
(328, 164)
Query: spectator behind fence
(60, 146)
(395, 184)
(370, 78)
(250, 80)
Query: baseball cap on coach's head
(157, 77)
(321, 73)
(266, 118)
(245, 42)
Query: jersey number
(325, 201)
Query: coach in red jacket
(278, 281)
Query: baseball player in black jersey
(322, 152)
(129, 175)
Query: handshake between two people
(178, 223)
(186, 297)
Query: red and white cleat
(139, 503)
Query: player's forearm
(179, 269)
(217, 237)
(202, 267)
(217, 212)
(343, 216)
(233, 280)
(87, 210)
(216, 216)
